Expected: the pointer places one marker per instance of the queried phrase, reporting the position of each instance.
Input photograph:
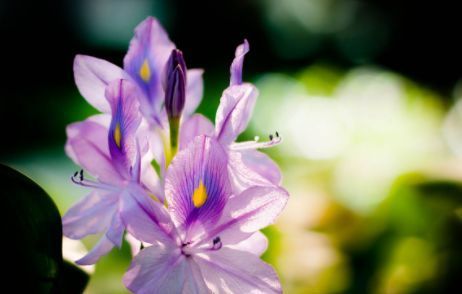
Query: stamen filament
(255, 144)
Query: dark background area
(41, 38)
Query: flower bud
(174, 82)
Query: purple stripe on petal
(197, 184)
(238, 63)
(122, 96)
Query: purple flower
(144, 64)
(208, 240)
(112, 153)
(248, 167)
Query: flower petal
(145, 60)
(197, 184)
(238, 63)
(163, 269)
(195, 126)
(91, 215)
(116, 230)
(234, 112)
(233, 271)
(92, 75)
(256, 244)
(103, 247)
(126, 117)
(146, 219)
(250, 168)
(248, 212)
(87, 146)
(194, 91)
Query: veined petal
(163, 269)
(233, 271)
(92, 75)
(87, 146)
(194, 91)
(238, 63)
(256, 244)
(195, 126)
(145, 60)
(248, 212)
(146, 219)
(126, 117)
(234, 112)
(91, 215)
(103, 246)
(197, 184)
(250, 168)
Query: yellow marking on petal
(145, 71)
(200, 195)
(117, 135)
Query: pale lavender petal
(194, 91)
(151, 180)
(91, 215)
(145, 61)
(263, 165)
(92, 75)
(195, 126)
(234, 112)
(252, 168)
(197, 184)
(126, 117)
(163, 269)
(116, 230)
(87, 146)
(248, 212)
(233, 271)
(146, 219)
(238, 63)
(103, 247)
(256, 244)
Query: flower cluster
(191, 199)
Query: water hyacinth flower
(199, 219)
(247, 165)
(144, 65)
(111, 152)
(208, 239)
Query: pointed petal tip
(238, 63)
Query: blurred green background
(366, 95)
